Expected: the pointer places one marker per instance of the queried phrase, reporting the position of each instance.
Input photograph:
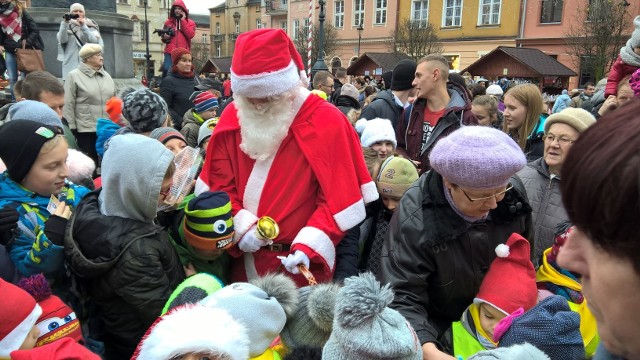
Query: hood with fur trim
(194, 329)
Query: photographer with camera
(177, 32)
(75, 31)
(16, 26)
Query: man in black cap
(389, 104)
(212, 85)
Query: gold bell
(267, 229)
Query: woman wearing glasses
(443, 235)
(541, 177)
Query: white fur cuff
(319, 242)
(242, 222)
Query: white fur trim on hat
(266, 84)
(76, 6)
(200, 187)
(195, 328)
(318, 241)
(80, 166)
(377, 130)
(16, 337)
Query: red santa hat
(510, 283)
(19, 312)
(57, 320)
(265, 63)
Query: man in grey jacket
(73, 34)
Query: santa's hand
(250, 243)
(292, 261)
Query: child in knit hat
(202, 231)
(205, 132)
(171, 138)
(19, 313)
(35, 185)
(205, 107)
(628, 61)
(507, 291)
(377, 134)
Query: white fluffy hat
(494, 90)
(375, 130)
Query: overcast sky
(201, 6)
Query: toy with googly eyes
(57, 320)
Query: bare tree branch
(597, 34)
(199, 54)
(415, 38)
(330, 42)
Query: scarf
(90, 23)
(469, 219)
(11, 22)
(483, 338)
(628, 56)
(382, 226)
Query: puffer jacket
(191, 122)
(435, 261)
(543, 192)
(86, 92)
(129, 269)
(384, 106)
(409, 133)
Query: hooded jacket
(409, 134)
(185, 29)
(86, 92)
(543, 191)
(191, 122)
(32, 252)
(383, 106)
(127, 262)
(435, 260)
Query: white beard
(264, 126)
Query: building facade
(228, 20)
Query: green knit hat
(192, 290)
(208, 224)
(395, 176)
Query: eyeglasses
(509, 187)
(561, 140)
(165, 192)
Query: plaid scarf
(11, 22)
(569, 294)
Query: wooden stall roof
(369, 60)
(217, 65)
(518, 62)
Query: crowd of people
(415, 216)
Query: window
(204, 38)
(237, 26)
(381, 12)
(284, 4)
(296, 29)
(489, 13)
(218, 50)
(420, 11)
(126, 2)
(141, 3)
(358, 12)
(551, 11)
(217, 28)
(258, 8)
(258, 24)
(451, 13)
(166, 4)
(283, 26)
(587, 71)
(338, 14)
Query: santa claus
(281, 152)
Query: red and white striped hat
(265, 63)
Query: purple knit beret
(477, 157)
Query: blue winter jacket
(32, 252)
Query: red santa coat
(315, 187)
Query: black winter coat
(129, 269)
(347, 103)
(435, 261)
(29, 32)
(384, 106)
(176, 89)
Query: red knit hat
(18, 314)
(66, 349)
(177, 53)
(57, 320)
(510, 283)
(265, 63)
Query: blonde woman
(522, 121)
(16, 25)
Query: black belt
(279, 247)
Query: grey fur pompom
(282, 288)
(361, 299)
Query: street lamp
(360, 30)
(320, 65)
(147, 55)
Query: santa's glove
(8, 222)
(292, 261)
(250, 243)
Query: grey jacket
(86, 92)
(69, 47)
(543, 192)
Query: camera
(168, 31)
(68, 17)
